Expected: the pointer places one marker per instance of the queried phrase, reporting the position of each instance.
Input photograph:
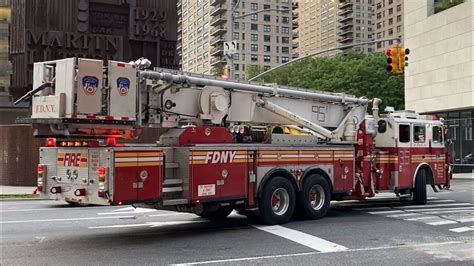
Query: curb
(10, 197)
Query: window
(253, 6)
(266, 28)
(399, 18)
(266, 48)
(266, 6)
(399, 8)
(236, 25)
(236, 36)
(254, 57)
(266, 68)
(254, 17)
(285, 40)
(285, 19)
(285, 30)
(254, 26)
(266, 17)
(382, 126)
(254, 47)
(267, 58)
(254, 37)
(285, 50)
(236, 57)
(390, 21)
(404, 133)
(236, 66)
(390, 11)
(285, 59)
(266, 38)
(419, 133)
(399, 29)
(437, 135)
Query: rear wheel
(277, 203)
(419, 191)
(218, 214)
(315, 198)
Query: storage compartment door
(125, 176)
(150, 175)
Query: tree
(218, 69)
(253, 70)
(349, 72)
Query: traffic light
(404, 52)
(225, 72)
(392, 60)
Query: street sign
(230, 48)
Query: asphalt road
(380, 231)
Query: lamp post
(233, 18)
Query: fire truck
(227, 145)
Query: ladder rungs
(172, 189)
(173, 181)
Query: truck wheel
(419, 191)
(315, 199)
(218, 214)
(277, 203)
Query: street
(385, 230)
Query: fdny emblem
(123, 86)
(90, 84)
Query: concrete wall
(440, 72)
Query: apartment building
(317, 26)
(356, 23)
(5, 66)
(264, 39)
(389, 21)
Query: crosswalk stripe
(386, 212)
(421, 218)
(462, 229)
(434, 205)
(403, 215)
(442, 222)
(451, 211)
(304, 239)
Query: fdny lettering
(45, 108)
(220, 156)
(72, 159)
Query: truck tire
(315, 198)
(277, 203)
(419, 191)
(218, 214)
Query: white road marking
(434, 205)
(402, 215)
(171, 214)
(421, 218)
(128, 211)
(150, 224)
(372, 209)
(462, 229)
(304, 239)
(315, 253)
(451, 211)
(386, 212)
(442, 222)
(66, 219)
(466, 220)
(53, 209)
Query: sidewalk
(463, 176)
(13, 190)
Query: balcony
(218, 30)
(347, 39)
(179, 12)
(178, 46)
(295, 24)
(179, 37)
(180, 21)
(217, 60)
(295, 45)
(217, 2)
(295, 5)
(344, 4)
(347, 24)
(345, 32)
(218, 20)
(346, 18)
(180, 28)
(178, 3)
(218, 50)
(218, 10)
(296, 55)
(295, 14)
(216, 40)
(295, 34)
(345, 11)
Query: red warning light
(50, 142)
(111, 141)
(40, 168)
(101, 171)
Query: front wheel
(315, 199)
(277, 203)
(419, 191)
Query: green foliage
(253, 70)
(352, 73)
(445, 4)
(218, 69)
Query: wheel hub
(280, 201)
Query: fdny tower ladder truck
(226, 145)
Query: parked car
(468, 159)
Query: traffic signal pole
(322, 52)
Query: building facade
(102, 29)
(356, 23)
(389, 22)
(263, 40)
(440, 77)
(5, 66)
(317, 26)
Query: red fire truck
(228, 145)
